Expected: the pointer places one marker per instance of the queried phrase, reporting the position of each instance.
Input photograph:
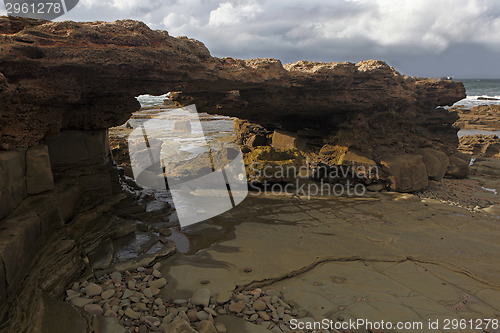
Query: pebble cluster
(134, 299)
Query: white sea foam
(492, 190)
(472, 101)
(483, 96)
(464, 132)
(150, 100)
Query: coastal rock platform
(85, 249)
(391, 256)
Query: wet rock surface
(480, 145)
(484, 117)
(277, 258)
(273, 258)
(471, 194)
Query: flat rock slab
(392, 256)
(406, 291)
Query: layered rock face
(65, 75)
(68, 75)
(71, 75)
(480, 145)
(368, 106)
(62, 84)
(483, 117)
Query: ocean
(150, 100)
(475, 88)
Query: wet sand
(384, 256)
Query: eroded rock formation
(62, 84)
(71, 75)
(480, 145)
(483, 117)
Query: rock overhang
(85, 75)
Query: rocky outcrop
(483, 117)
(249, 134)
(459, 165)
(480, 145)
(436, 162)
(269, 164)
(57, 76)
(69, 75)
(406, 172)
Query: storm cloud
(424, 37)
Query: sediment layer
(74, 75)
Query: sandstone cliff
(72, 75)
(62, 84)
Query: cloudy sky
(418, 37)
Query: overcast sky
(417, 37)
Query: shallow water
(464, 132)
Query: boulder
(250, 134)
(201, 297)
(459, 166)
(480, 145)
(406, 172)
(483, 117)
(375, 187)
(39, 176)
(356, 157)
(287, 140)
(436, 162)
(267, 163)
(206, 326)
